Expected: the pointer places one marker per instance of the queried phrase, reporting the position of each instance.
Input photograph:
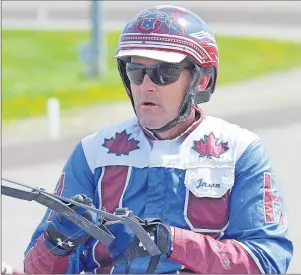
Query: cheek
(134, 90)
(173, 99)
(185, 81)
(183, 85)
(177, 93)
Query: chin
(150, 124)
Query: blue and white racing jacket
(214, 186)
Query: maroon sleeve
(40, 260)
(203, 254)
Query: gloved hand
(126, 246)
(63, 236)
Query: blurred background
(60, 83)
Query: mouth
(148, 103)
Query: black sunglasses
(161, 74)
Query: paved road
(282, 144)
(286, 12)
(246, 18)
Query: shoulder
(248, 150)
(237, 138)
(212, 152)
(129, 125)
(229, 130)
(122, 143)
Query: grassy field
(37, 65)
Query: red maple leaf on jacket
(209, 146)
(121, 144)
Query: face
(157, 105)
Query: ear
(204, 80)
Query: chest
(196, 199)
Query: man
(207, 183)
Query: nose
(147, 85)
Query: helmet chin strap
(185, 109)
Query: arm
(255, 240)
(76, 178)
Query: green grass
(37, 65)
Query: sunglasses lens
(135, 73)
(165, 74)
(160, 74)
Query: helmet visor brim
(164, 56)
